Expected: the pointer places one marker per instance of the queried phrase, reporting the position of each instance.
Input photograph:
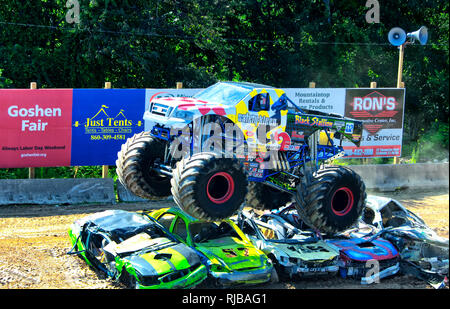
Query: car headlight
(183, 114)
(218, 268)
(284, 259)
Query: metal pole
(399, 77)
(31, 170)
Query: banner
(102, 120)
(70, 127)
(382, 111)
(327, 100)
(35, 127)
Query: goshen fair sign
(35, 127)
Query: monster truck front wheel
(263, 197)
(209, 187)
(135, 166)
(332, 199)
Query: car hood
(360, 249)
(235, 253)
(424, 234)
(317, 251)
(165, 260)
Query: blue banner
(102, 120)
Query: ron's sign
(382, 112)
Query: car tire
(209, 187)
(128, 280)
(263, 197)
(332, 199)
(134, 166)
(274, 276)
(281, 275)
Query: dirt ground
(34, 242)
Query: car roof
(121, 223)
(191, 219)
(181, 213)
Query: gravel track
(34, 242)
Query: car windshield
(223, 93)
(204, 231)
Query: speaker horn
(397, 36)
(421, 35)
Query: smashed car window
(180, 229)
(247, 229)
(204, 231)
(166, 220)
(260, 102)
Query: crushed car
(367, 259)
(424, 254)
(359, 256)
(229, 255)
(136, 250)
(293, 253)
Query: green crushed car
(230, 256)
(136, 250)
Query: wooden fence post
(312, 85)
(400, 85)
(31, 170)
(372, 85)
(179, 85)
(105, 168)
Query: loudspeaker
(421, 35)
(397, 36)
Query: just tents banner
(102, 120)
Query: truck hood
(191, 104)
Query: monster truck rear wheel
(209, 187)
(263, 197)
(135, 166)
(332, 199)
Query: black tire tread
(313, 188)
(184, 180)
(129, 167)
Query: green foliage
(58, 172)
(433, 144)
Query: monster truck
(236, 144)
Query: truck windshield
(223, 93)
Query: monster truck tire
(332, 199)
(263, 197)
(209, 187)
(134, 166)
